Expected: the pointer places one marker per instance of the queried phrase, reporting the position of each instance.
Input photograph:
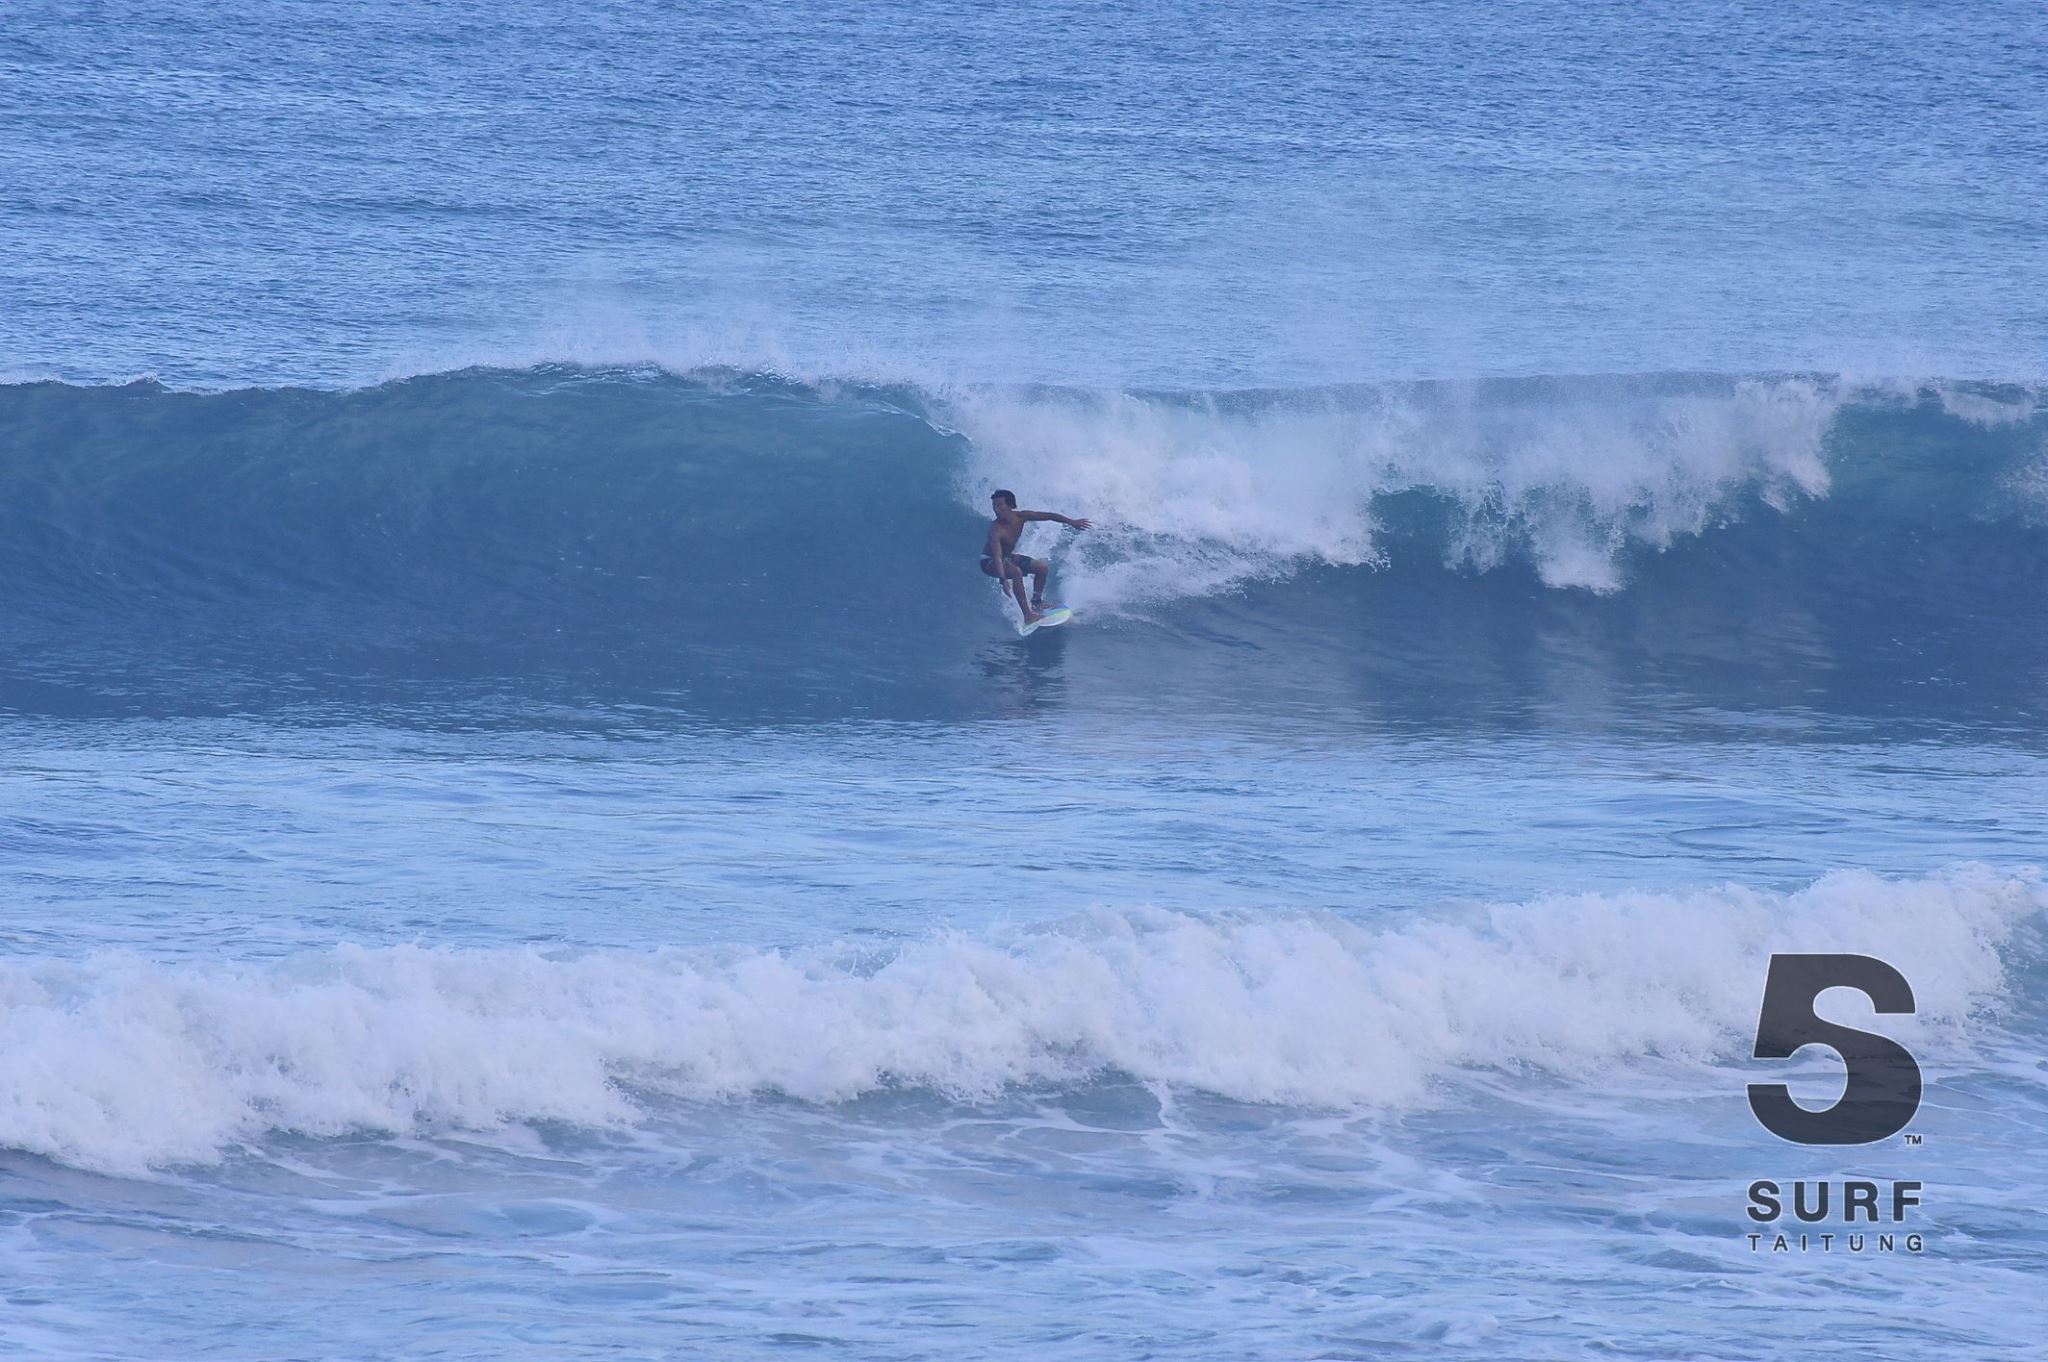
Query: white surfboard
(1059, 614)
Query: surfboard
(1059, 614)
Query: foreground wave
(744, 546)
(119, 1064)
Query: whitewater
(525, 835)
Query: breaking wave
(119, 1064)
(748, 544)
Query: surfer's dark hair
(1006, 496)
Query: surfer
(1000, 560)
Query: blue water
(525, 835)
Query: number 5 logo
(1883, 1091)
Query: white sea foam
(120, 1064)
(1196, 497)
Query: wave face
(128, 1064)
(741, 546)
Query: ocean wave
(122, 1065)
(726, 524)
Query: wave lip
(120, 1065)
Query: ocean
(525, 834)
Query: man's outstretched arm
(1068, 521)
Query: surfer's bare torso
(1000, 560)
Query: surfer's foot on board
(1045, 605)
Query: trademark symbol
(1912, 1139)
